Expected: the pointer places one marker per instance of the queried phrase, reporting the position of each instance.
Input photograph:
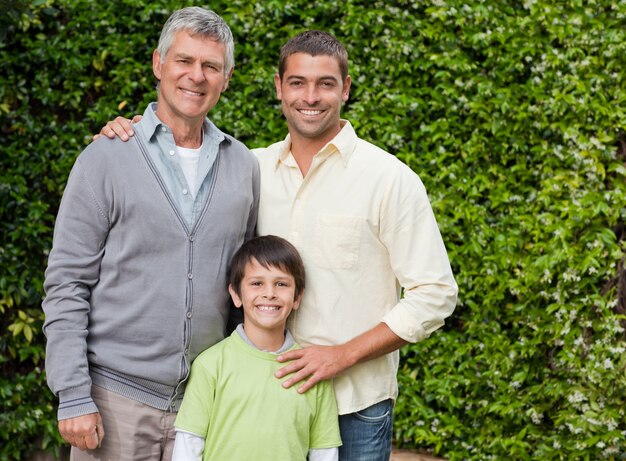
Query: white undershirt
(189, 159)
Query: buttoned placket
(191, 205)
(196, 205)
(298, 208)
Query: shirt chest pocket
(337, 241)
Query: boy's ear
(234, 296)
(296, 302)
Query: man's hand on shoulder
(84, 432)
(317, 363)
(313, 364)
(120, 127)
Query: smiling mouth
(309, 112)
(191, 93)
(268, 308)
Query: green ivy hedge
(512, 113)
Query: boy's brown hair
(268, 251)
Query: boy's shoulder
(214, 353)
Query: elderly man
(136, 279)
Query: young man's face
(192, 77)
(268, 296)
(312, 92)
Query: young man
(363, 224)
(233, 407)
(135, 285)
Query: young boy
(234, 408)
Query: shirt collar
(343, 143)
(287, 344)
(150, 123)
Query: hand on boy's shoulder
(310, 365)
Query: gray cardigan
(133, 295)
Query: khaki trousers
(132, 431)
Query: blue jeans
(366, 434)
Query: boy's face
(268, 296)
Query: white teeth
(310, 112)
(267, 308)
(193, 93)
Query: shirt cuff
(76, 402)
(404, 324)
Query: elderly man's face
(192, 77)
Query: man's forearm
(372, 344)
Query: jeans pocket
(376, 413)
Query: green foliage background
(512, 113)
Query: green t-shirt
(234, 401)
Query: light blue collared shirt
(163, 151)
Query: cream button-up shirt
(363, 224)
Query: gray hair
(198, 21)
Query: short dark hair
(268, 251)
(314, 43)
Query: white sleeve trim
(324, 454)
(188, 446)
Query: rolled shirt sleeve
(418, 258)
